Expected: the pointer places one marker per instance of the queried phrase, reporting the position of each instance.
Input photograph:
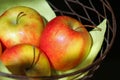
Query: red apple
(24, 59)
(66, 42)
(20, 24)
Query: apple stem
(34, 62)
(19, 16)
(90, 26)
(95, 28)
(33, 58)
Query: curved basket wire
(90, 12)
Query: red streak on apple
(8, 57)
(66, 42)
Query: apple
(19, 25)
(25, 59)
(66, 42)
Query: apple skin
(25, 59)
(66, 42)
(19, 25)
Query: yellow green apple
(20, 24)
(25, 59)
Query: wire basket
(90, 12)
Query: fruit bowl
(90, 13)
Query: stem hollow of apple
(21, 14)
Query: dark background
(110, 67)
